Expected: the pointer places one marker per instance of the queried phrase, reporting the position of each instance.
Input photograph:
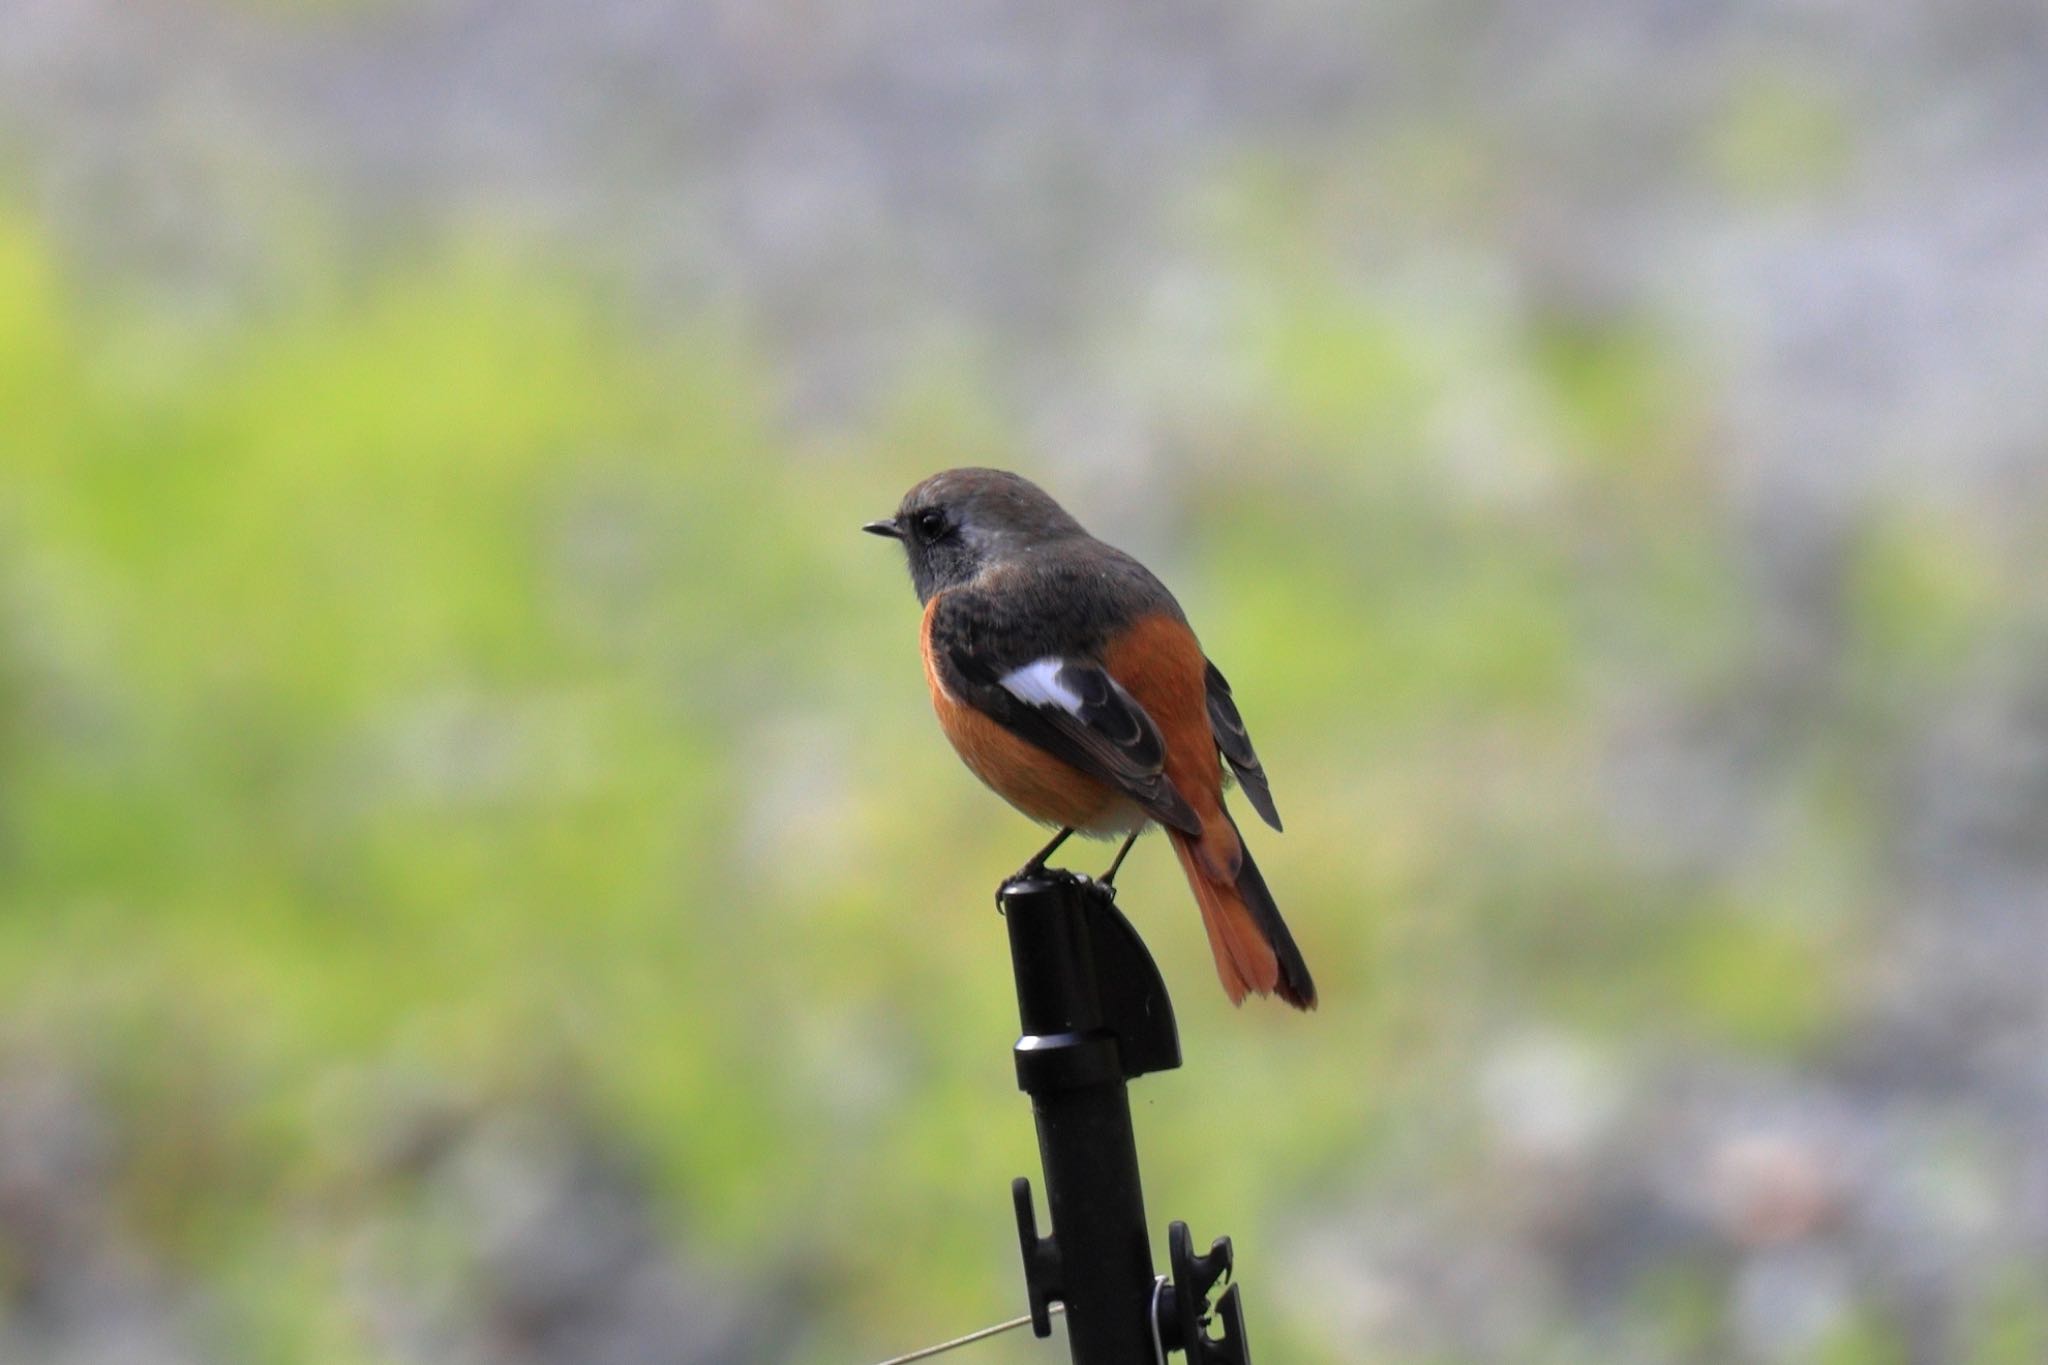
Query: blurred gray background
(1603, 441)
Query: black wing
(1071, 708)
(1236, 744)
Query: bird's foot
(1036, 867)
(1039, 872)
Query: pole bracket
(1184, 1317)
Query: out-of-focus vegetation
(479, 882)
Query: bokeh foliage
(446, 696)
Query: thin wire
(957, 1342)
(1158, 1345)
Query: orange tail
(1254, 951)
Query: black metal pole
(1094, 1014)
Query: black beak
(886, 527)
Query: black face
(939, 546)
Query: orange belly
(1045, 788)
(1049, 790)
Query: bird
(1069, 681)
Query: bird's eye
(930, 523)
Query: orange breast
(1049, 790)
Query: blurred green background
(479, 881)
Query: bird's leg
(1109, 878)
(1037, 863)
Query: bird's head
(960, 522)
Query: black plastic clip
(1041, 1260)
(1184, 1319)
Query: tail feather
(1253, 950)
(1295, 986)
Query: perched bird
(1069, 681)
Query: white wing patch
(1038, 683)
